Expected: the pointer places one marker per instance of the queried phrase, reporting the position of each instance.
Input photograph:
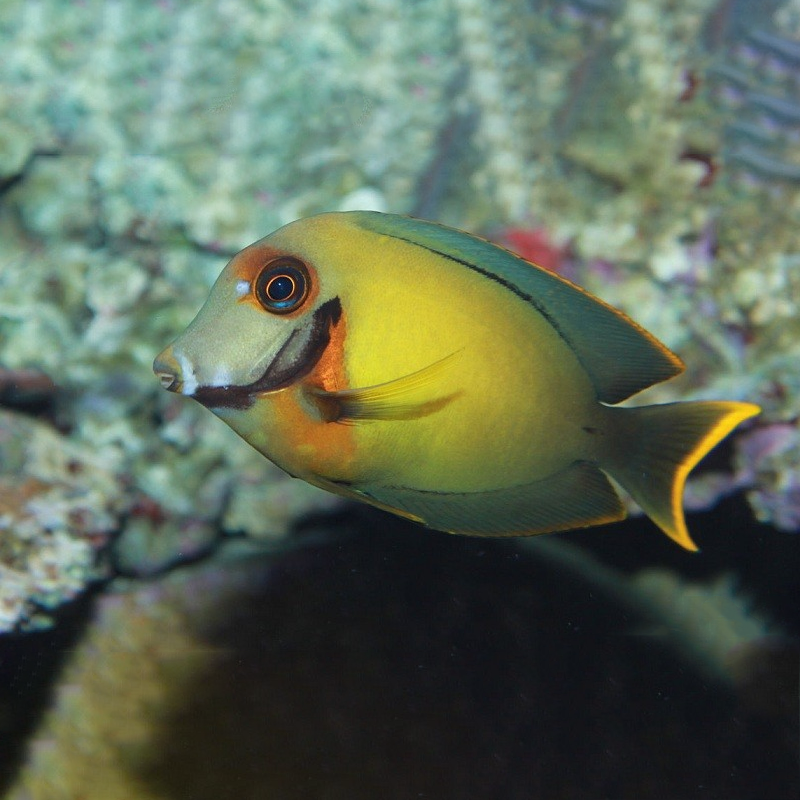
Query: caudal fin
(656, 448)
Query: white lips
(187, 374)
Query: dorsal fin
(620, 357)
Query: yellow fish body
(438, 376)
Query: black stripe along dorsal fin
(620, 357)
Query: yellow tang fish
(433, 374)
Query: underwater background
(179, 620)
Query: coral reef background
(647, 150)
(142, 145)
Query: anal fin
(576, 497)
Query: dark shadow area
(765, 561)
(29, 666)
(401, 663)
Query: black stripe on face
(297, 357)
(492, 277)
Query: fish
(438, 376)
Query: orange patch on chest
(311, 443)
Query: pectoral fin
(414, 395)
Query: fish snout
(168, 371)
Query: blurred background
(180, 620)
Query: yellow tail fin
(657, 447)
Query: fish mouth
(297, 357)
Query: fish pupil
(280, 288)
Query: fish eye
(282, 285)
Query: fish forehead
(249, 261)
(353, 260)
(332, 243)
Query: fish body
(438, 376)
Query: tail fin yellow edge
(737, 413)
(657, 447)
